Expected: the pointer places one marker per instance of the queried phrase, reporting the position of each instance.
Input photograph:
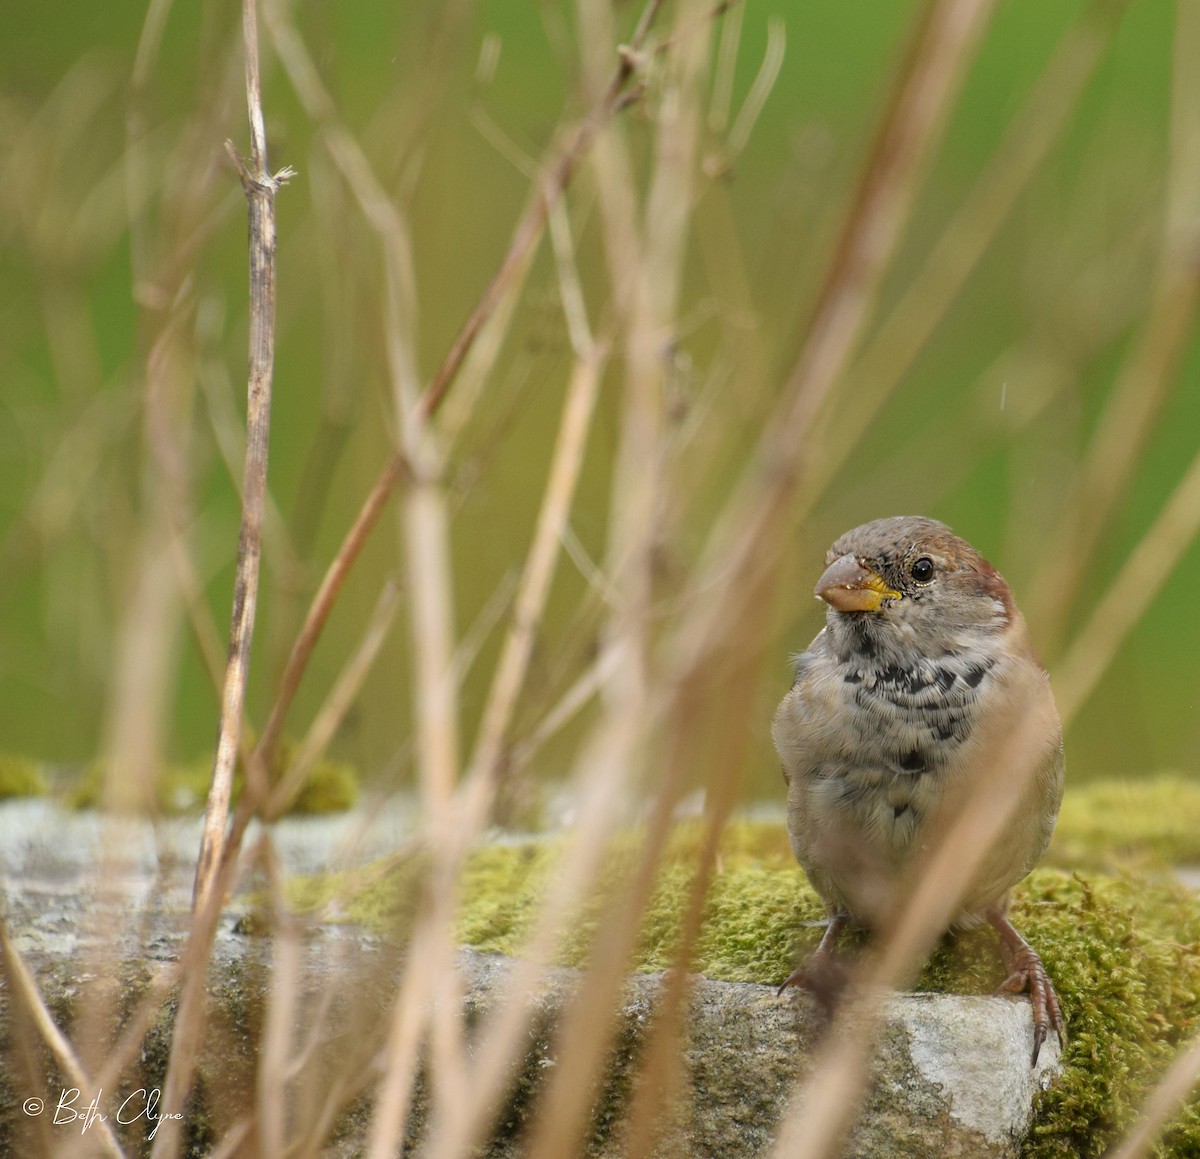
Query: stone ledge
(950, 1076)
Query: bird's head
(913, 576)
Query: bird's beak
(848, 586)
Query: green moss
(20, 777)
(88, 791)
(330, 787)
(1124, 953)
(177, 789)
(1129, 822)
(1122, 947)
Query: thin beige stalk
(1033, 131)
(431, 625)
(260, 188)
(1118, 445)
(601, 784)
(409, 1018)
(531, 596)
(326, 597)
(557, 498)
(719, 751)
(538, 572)
(434, 690)
(24, 989)
(720, 102)
(738, 136)
(1147, 568)
(1165, 1101)
(388, 223)
(1136, 586)
(335, 706)
(497, 299)
(653, 272)
(747, 538)
(283, 998)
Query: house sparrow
(922, 654)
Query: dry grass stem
(24, 989)
(540, 563)
(601, 786)
(678, 495)
(1140, 579)
(435, 687)
(1118, 443)
(276, 1048)
(336, 704)
(660, 1073)
(325, 599)
(1164, 1103)
(738, 136)
(389, 225)
(260, 187)
(557, 176)
(720, 100)
(400, 1057)
(1031, 134)
(745, 542)
(497, 299)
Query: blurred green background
(123, 339)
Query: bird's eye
(922, 570)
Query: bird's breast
(899, 747)
(915, 716)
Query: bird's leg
(823, 975)
(1026, 972)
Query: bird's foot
(824, 976)
(1026, 973)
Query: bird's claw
(797, 978)
(1028, 974)
(824, 976)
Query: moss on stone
(330, 787)
(1124, 953)
(1144, 821)
(1120, 939)
(178, 789)
(20, 777)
